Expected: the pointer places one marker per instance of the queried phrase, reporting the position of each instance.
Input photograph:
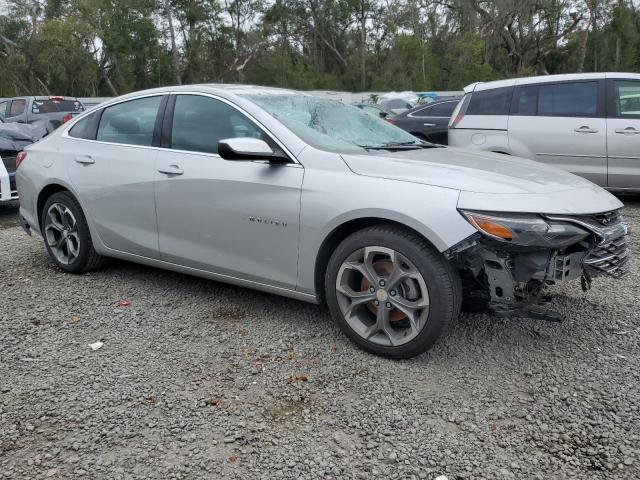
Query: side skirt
(263, 287)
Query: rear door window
(626, 97)
(490, 102)
(571, 99)
(131, 122)
(54, 105)
(17, 107)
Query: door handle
(171, 170)
(85, 160)
(429, 124)
(628, 131)
(585, 129)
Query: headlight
(526, 229)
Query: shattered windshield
(332, 125)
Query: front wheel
(391, 292)
(66, 235)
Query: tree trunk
(363, 47)
(175, 58)
(105, 76)
(582, 53)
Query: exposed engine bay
(509, 264)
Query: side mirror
(384, 114)
(249, 148)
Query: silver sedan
(310, 198)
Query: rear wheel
(391, 292)
(66, 235)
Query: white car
(588, 124)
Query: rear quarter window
(443, 109)
(490, 102)
(86, 128)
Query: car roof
(43, 97)
(479, 86)
(223, 90)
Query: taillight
(456, 120)
(20, 157)
(391, 120)
(459, 111)
(66, 118)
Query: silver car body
(269, 226)
(602, 146)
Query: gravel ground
(197, 379)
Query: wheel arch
(45, 193)
(342, 231)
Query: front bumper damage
(511, 280)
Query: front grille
(604, 219)
(607, 218)
(612, 258)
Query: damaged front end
(509, 264)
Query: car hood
(466, 170)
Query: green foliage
(108, 47)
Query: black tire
(441, 278)
(87, 258)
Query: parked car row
(317, 200)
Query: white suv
(588, 124)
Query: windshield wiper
(412, 145)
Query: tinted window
(130, 122)
(200, 122)
(490, 102)
(575, 99)
(53, 105)
(627, 99)
(443, 109)
(85, 128)
(397, 103)
(17, 107)
(3, 108)
(528, 100)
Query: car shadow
(230, 303)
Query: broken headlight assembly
(526, 230)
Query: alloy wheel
(382, 296)
(61, 233)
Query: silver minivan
(588, 124)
